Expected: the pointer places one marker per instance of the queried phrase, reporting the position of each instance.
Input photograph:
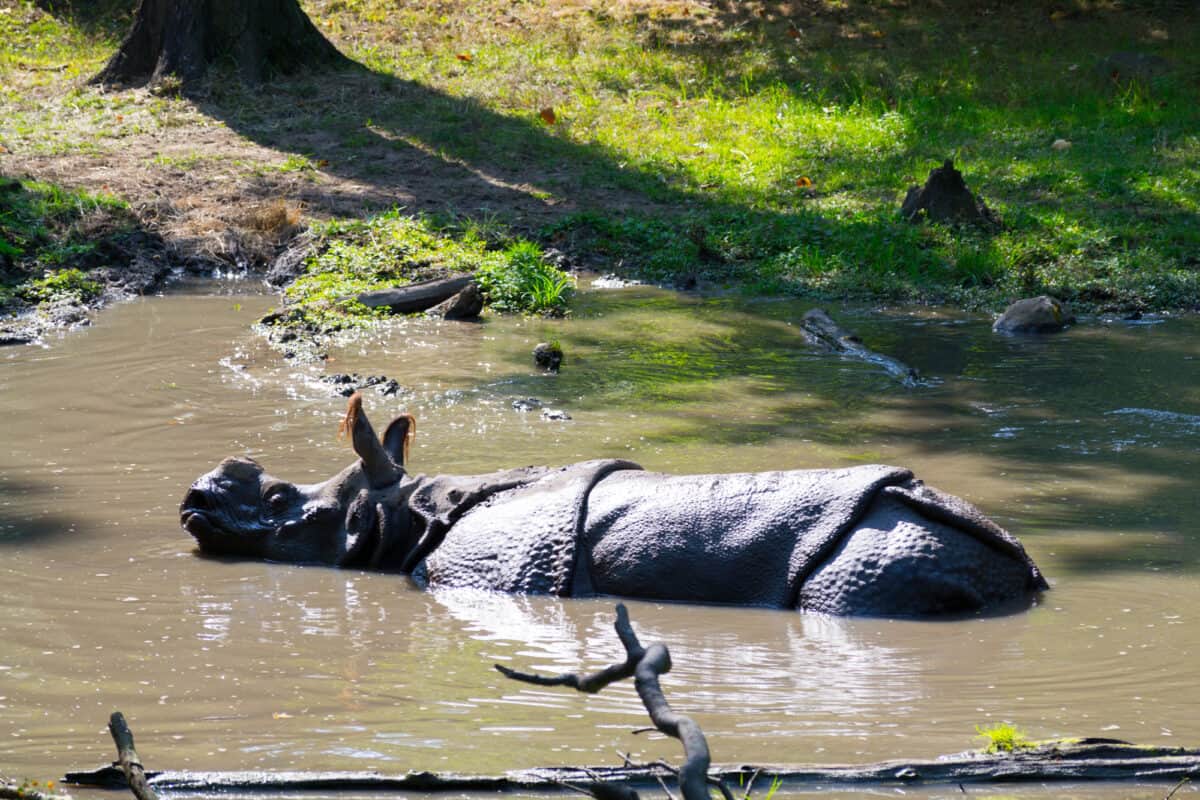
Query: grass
(521, 280)
(753, 144)
(1003, 738)
(46, 233)
(782, 138)
(393, 249)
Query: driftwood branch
(645, 665)
(415, 296)
(127, 758)
(820, 331)
(1182, 782)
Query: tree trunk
(184, 37)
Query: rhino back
(522, 539)
(744, 538)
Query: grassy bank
(50, 237)
(764, 145)
(395, 249)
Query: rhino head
(353, 519)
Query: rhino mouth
(198, 525)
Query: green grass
(723, 119)
(761, 145)
(393, 249)
(63, 283)
(45, 232)
(521, 280)
(1003, 738)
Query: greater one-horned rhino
(867, 540)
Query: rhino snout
(191, 513)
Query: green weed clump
(522, 281)
(71, 283)
(1003, 738)
(393, 249)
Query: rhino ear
(377, 464)
(399, 436)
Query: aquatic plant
(1003, 737)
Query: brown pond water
(1083, 444)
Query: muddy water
(1084, 445)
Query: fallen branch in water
(127, 758)
(645, 665)
(820, 331)
(1182, 782)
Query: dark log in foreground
(645, 665)
(416, 296)
(820, 331)
(127, 758)
(1068, 761)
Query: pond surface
(1083, 444)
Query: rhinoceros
(866, 540)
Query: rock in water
(945, 198)
(1034, 315)
(526, 404)
(548, 356)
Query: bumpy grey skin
(861, 541)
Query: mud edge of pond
(126, 256)
(147, 267)
(1079, 760)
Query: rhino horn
(380, 469)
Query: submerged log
(416, 296)
(1070, 760)
(820, 331)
